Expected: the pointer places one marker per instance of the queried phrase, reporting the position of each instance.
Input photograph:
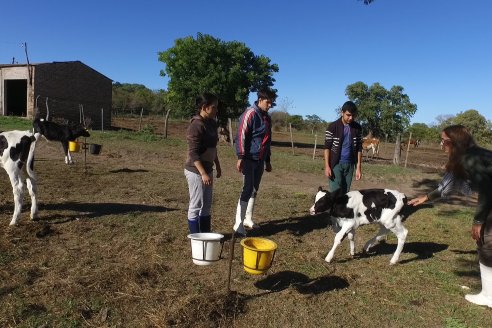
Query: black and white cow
(17, 158)
(355, 208)
(63, 133)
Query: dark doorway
(16, 97)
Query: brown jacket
(202, 140)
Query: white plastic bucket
(206, 247)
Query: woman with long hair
(469, 167)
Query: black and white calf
(355, 208)
(63, 133)
(17, 158)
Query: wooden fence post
(315, 142)
(291, 139)
(408, 149)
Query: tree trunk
(165, 122)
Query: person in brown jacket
(202, 138)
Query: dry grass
(111, 249)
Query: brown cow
(413, 143)
(371, 143)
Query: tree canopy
(128, 97)
(380, 111)
(228, 69)
(478, 125)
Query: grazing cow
(371, 143)
(354, 208)
(64, 133)
(17, 158)
(413, 142)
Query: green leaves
(228, 69)
(381, 111)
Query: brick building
(70, 90)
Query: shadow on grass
(95, 210)
(298, 226)
(422, 250)
(127, 170)
(300, 282)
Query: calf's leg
(371, 242)
(346, 226)
(351, 238)
(32, 188)
(17, 190)
(401, 233)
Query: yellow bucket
(258, 254)
(73, 146)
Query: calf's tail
(30, 156)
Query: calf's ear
(320, 188)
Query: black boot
(205, 223)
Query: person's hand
(206, 179)
(239, 165)
(268, 167)
(328, 172)
(358, 174)
(475, 231)
(418, 200)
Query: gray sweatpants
(200, 195)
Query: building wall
(65, 88)
(70, 86)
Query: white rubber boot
(240, 215)
(248, 220)
(485, 296)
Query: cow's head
(322, 202)
(78, 130)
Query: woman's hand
(476, 231)
(418, 200)
(206, 179)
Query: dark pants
(341, 177)
(252, 173)
(485, 244)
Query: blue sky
(438, 50)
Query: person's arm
(328, 172)
(433, 195)
(205, 177)
(327, 152)
(481, 213)
(358, 169)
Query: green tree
(381, 112)
(314, 122)
(228, 69)
(479, 126)
(131, 98)
(296, 121)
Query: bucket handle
(221, 247)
